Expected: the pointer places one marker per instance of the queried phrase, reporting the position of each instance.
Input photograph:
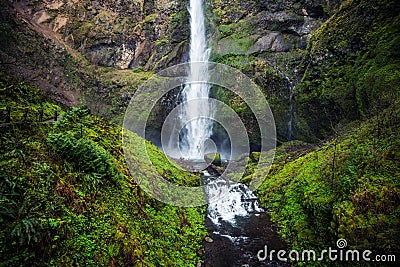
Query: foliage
(19, 96)
(352, 68)
(67, 198)
(346, 188)
(86, 156)
(240, 62)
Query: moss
(19, 97)
(227, 12)
(344, 188)
(162, 41)
(352, 70)
(240, 62)
(58, 209)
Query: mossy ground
(346, 187)
(19, 96)
(59, 209)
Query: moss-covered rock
(213, 158)
(268, 45)
(343, 188)
(352, 69)
(123, 35)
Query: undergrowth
(67, 197)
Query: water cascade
(290, 122)
(238, 226)
(291, 92)
(235, 200)
(236, 223)
(196, 131)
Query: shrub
(84, 154)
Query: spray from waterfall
(196, 131)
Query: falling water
(290, 122)
(291, 92)
(196, 131)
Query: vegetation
(346, 187)
(352, 68)
(68, 199)
(19, 96)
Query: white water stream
(236, 200)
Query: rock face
(119, 34)
(268, 32)
(266, 40)
(343, 78)
(76, 51)
(83, 51)
(154, 34)
(311, 68)
(255, 36)
(270, 26)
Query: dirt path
(4, 124)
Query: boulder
(213, 158)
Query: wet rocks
(213, 158)
(208, 239)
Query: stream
(238, 227)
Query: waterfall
(196, 131)
(290, 122)
(291, 92)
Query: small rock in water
(214, 158)
(208, 239)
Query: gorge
(328, 69)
